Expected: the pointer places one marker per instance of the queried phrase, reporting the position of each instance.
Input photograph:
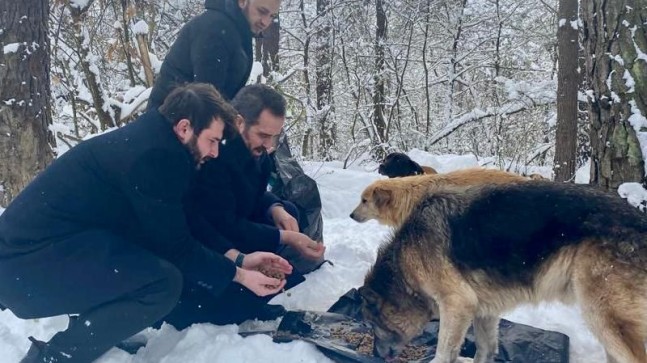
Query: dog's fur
(472, 255)
(396, 165)
(390, 201)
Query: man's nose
(214, 151)
(266, 21)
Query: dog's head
(375, 203)
(394, 325)
(398, 165)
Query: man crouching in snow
(102, 232)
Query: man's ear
(240, 123)
(382, 196)
(184, 130)
(242, 3)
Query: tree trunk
(567, 85)
(379, 91)
(24, 94)
(323, 88)
(616, 68)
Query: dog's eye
(363, 200)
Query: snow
(79, 4)
(141, 27)
(352, 247)
(11, 48)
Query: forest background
(529, 82)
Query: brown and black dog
(396, 165)
(471, 255)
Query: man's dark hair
(200, 103)
(251, 100)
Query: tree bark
(323, 88)
(379, 88)
(616, 68)
(24, 94)
(567, 85)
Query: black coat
(214, 47)
(131, 182)
(230, 196)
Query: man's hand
(283, 220)
(267, 261)
(258, 283)
(302, 243)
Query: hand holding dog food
(266, 261)
(262, 284)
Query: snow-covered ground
(351, 246)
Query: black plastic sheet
(289, 182)
(518, 343)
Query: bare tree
(24, 94)
(567, 86)
(616, 43)
(379, 87)
(323, 60)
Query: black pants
(116, 287)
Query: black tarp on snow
(518, 343)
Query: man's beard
(192, 145)
(256, 152)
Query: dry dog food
(363, 343)
(272, 273)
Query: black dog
(397, 165)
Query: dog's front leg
(486, 331)
(456, 314)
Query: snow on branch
(521, 97)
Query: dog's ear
(382, 196)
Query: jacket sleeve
(214, 199)
(211, 49)
(156, 183)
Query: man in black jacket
(231, 194)
(102, 232)
(215, 47)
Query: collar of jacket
(231, 9)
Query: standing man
(102, 233)
(215, 47)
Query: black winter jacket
(131, 182)
(214, 47)
(230, 196)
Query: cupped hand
(258, 283)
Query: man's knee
(166, 291)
